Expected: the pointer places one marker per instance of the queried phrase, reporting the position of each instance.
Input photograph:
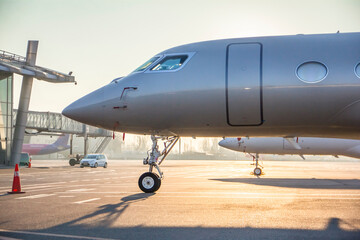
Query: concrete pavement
(197, 200)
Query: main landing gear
(150, 182)
(258, 168)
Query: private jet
(282, 86)
(294, 146)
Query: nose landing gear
(150, 182)
(258, 168)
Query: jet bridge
(53, 123)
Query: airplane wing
(292, 142)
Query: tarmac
(197, 200)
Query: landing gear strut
(150, 182)
(258, 168)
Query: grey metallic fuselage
(308, 146)
(238, 87)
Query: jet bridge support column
(86, 139)
(23, 105)
(71, 144)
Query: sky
(100, 40)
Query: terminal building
(14, 124)
(6, 117)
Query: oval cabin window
(311, 72)
(357, 70)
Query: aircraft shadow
(110, 212)
(310, 183)
(98, 230)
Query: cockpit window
(170, 63)
(145, 65)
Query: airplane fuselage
(303, 85)
(42, 149)
(309, 146)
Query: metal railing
(57, 123)
(101, 144)
(11, 56)
(14, 63)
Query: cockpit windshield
(170, 63)
(145, 65)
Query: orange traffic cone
(29, 165)
(16, 188)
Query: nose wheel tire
(149, 182)
(257, 171)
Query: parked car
(94, 161)
(24, 159)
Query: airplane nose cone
(87, 109)
(223, 143)
(69, 111)
(229, 143)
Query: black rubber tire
(72, 162)
(105, 165)
(96, 165)
(149, 189)
(82, 166)
(257, 171)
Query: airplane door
(244, 84)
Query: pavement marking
(81, 190)
(56, 187)
(44, 186)
(193, 194)
(40, 178)
(88, 200)
(36, 196)
(54, 235)
(41, 184)
(66, 196)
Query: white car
(94, 161)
